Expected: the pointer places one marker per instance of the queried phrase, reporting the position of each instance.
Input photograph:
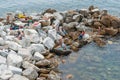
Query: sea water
(91, 62)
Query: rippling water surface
(91, 62)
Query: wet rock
(74, 48)
(13, 45)
(49, 43)
(25, 52)
(15, 70)
(111, 31)
(37, 48)
(14, 59)
(43, 63)
(2, 42)
(53, 76)
(69, 76)
(2, 60)
(6, 74)
(50, 55)
(99, 42)
(38, 56)
(26, 65)
(18, 77)
(30, 73)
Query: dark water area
(91, 62)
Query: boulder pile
(28, 43)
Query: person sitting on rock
(81, 35)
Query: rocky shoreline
(30, 44)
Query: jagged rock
(26, 65)
(18, 77)
(37, 48)
(2, 42)
(38, 56)
(30, 73)
(2, 60)
(43, 63)
(25, 42)
(15, 70)
(111, 31)
(25, 52)
(32, 35)
(14, 59)
(52, 34)
(6, 74)
(49, 43)
(13, 45)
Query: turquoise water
(91, 62)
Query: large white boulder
(2, 42)
(25, 52)
(38, 56)
(49, 43)
(9, 38)
(13, 45)
(18, 77)
(15, 70)
(25, 42)
(26, 64)
(2, 60)
(6, 74)
(14, 60)
(32, 35)
(52, 34)
(37, 48)
(30, 73)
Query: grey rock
(18, 77)
(38, 56)
(14, 59)
(6, 74)
(2, 42)
(15, 70)
(26, 65)
(49, 43)
(30, 73)
(2, 60)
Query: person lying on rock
(81, 34)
